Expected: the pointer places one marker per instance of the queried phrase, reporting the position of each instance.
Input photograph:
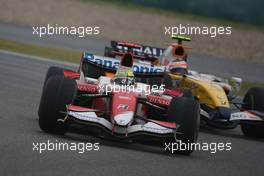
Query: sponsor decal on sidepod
(114, 63)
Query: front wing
(89, 118)
(250, 115)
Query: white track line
(38, 58)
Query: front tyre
(57, 93)
(185, 112)
(253, 100)
(92, 71)
(53, 71)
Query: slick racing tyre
(108, 52)
(185, 112)
(58, 92)
(188, 94)
(92, 71)
(253, 100)
(53, 71)
(167, 81)
(253, 130)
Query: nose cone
(124, 119)
(222, 113)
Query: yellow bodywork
(207, 92)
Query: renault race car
(215, 94)
(104, 94)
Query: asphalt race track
(20, 89)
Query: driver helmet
(124, 77)
(124, 81)
(178, 67)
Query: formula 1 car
(215, 94)
(92, 97)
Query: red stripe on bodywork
(71, 74)
(130, 44)
(173, 92)
(85, 87)
(158, 100)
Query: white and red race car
(220, 107)
(92, 97)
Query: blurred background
(244, 11)
(143, 21)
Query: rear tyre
(108, 52)
(57, 93)
(185, 112)
(253, 100)
(167, 81)
(92, 71)
(188, 94)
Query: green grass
(183, 15)
(42, 51)
(247, 85)
(72, 56)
